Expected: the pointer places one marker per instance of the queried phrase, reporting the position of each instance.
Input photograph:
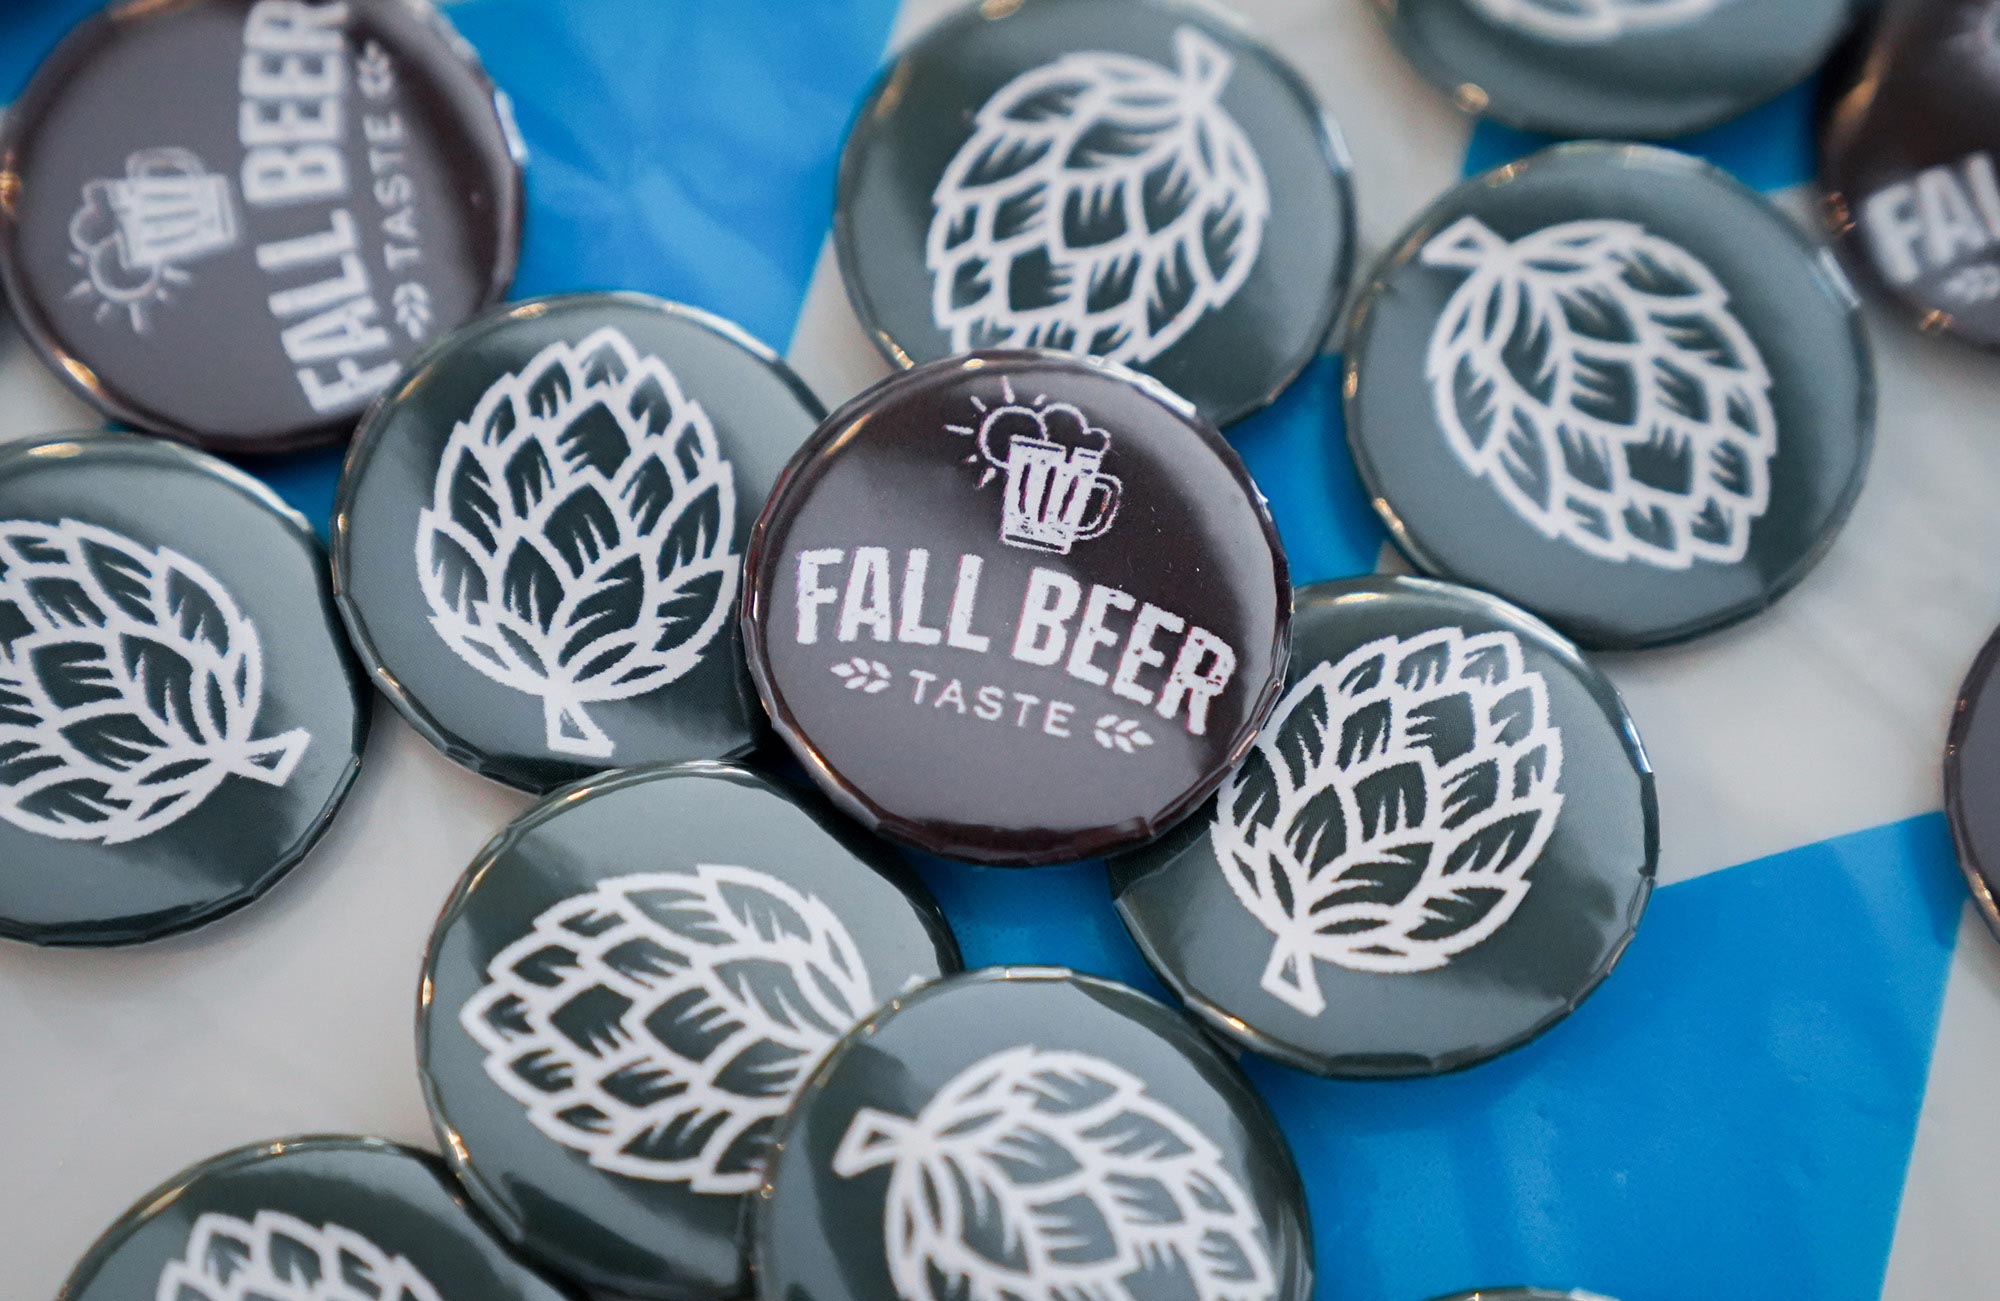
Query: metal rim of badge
(181, 716)
(615, 1045)
(272, 1219)
(1971, 754)
(1639, 403)
(1001, 107)
(1040, 1080)
(1614, 69)
(361, 220)
(538, 538)
(1907, 168)
(1440, 845)
(1522, 1294)
(1132, 549)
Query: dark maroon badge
(1017, 608)
(1907, 159)
(233, 221)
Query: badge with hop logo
(1103, 204)
(580, 546)
(130, 683)
(277, 1257)
(1438, 845)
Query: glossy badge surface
(1027, 1132)
(1972, 781)
(1616, 68)
(307, 1219)
(1136, 180)
(540, 535)
(626, 992)
(233, 221)
(1440, 844)
(1611, 385)
(179, 714)
(1907, 163)
(1017, 608)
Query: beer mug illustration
(133, 234)
(1056, 492)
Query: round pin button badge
(613, 1023)
(1907, 147)
(1971, 775)
(305, 1218)
(1031, 1132)
(1017, 608)
(539, 535)
(1439, 845)
(1614, 386)
(1137, 181)
(233, 221)
(179, 714)
(1616, 68)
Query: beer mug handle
(1107, 510)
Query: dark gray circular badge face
(1029, 1132)
(1972, 779)
(1440, 844)
(179, 715)
(1017, 608)
(233, 221)
(613, 1023)
(1907, 161)
(540, 535)
(1616, 68)
(1137, 181)
(303, 1219)
(1614, 386)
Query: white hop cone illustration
(130, 684)
(1102, 205)
(276, 1257)
(1590, 22)
(661, 1023)
(1595, 376)
(1052, 1176)
(1388, 815)
(579, 548)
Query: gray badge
(1644, 68)
(1612, 385)
(1027, 1132)
(1439, 845)
(625, 994)
(305, 1219)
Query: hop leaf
(1052, 1176)
(661, 1023)
(276, 1257)
(129, 686)
(580, 544)
(1388, 814)
(1593, 374)
(1590, 22)
(1102, 205)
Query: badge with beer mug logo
(1057, 492)
(133, 235)
(1016, 607)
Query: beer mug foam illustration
(1056, 491)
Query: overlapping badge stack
(690, 1027)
